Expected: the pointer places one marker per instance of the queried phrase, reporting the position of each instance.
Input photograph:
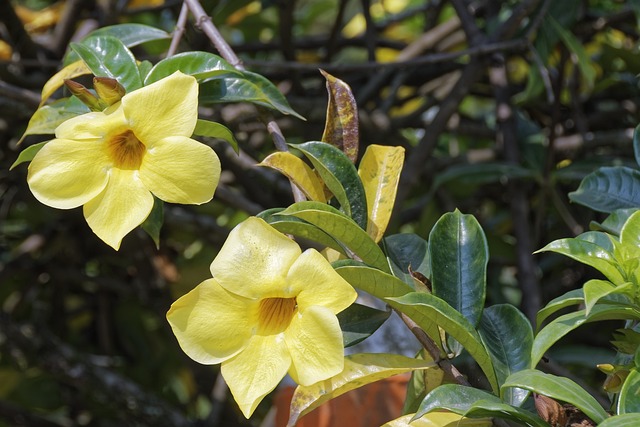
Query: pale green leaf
(299, 173)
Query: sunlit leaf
(595, 290)
(623, 420)
(340, 176)
(559, 388)
(28, 154)
(341, 228)
(359, 370)
(216, 130)
(428, 310)
(573, 297)
(341, 127)
(201, 65)
(379, 171)
(48, 117)
(439, 419)
(298, 172)
(75, 69)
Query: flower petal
(254, 260)
(315, 342)
(168, 107)
(66, 174)
(123, 205)
(180, 170)
(316, 283)
(256, 371)
(212, 324)
(96, 125)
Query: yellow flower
(114, 162)
(269, 309)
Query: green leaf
(624, 420)
(107, 56)
(407, 251)
(629, 398)
(453, 397)
(428, 310)
(132, 34)
(490, 408)
(590, 254)
(573, 297)
(630, 235)
(613, 223)
(341, 127)
(359, 370)
(153, 224)
(636, 144)
(561, 326)
(201, 65)
(341, 228)
(250, 87)
(216, 130)
(558, 388)
(298, 172)
(340, 176)
(28, 154)
(358, 322)
(595, 290)
(439, 419)
(508, 337)
(379, 172)
(459, 254)
(609, 189)
(48, 117)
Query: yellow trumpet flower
(270, 309)
(113, 162)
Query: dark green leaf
(453, 397)
(340, 176)
(153, 224)
(629, 398)
(201, 65)
(358, 322)
(491, 408)
(609, 189)
(216, 130)
(508, 337)
(459, 255)
(407, 251)
(107, 56)
(614, 222)
(559, 388)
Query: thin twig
(179, 30)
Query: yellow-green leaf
(359, 370)
(439, 419)
(299, 173)
(379, 171)
(75, 69)
(341, 127)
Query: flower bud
(84, 95)
(108, 89)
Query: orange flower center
(126, 150)
(275, 314)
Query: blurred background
(502, 107)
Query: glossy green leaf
(298, 172)
(490, 408)
(250, 87)
(595, 290)
(630, 236)
(341, 126)
(132, 34)
(629, 397)
(614, 222)
(341, 228)
(624, 420)
(28, 154)
(453, 397)
(201, 65)
(439, 419)
(340, 176)
(559, 388)
(590, 254)
(107, 56)
(358, 322)
(561, 326)
(599, 238)
(508, 337)
(428, 310)
(373, 281)
(609, 189)
(379, 172)
(573, 297)
(216, 130)
(459, 254)
(48, 117)
(153, 224)
(407, 251)
(359, 370)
